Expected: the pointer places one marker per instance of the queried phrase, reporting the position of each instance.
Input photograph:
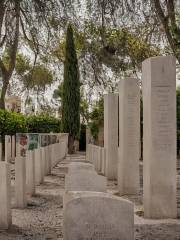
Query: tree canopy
(112, 38)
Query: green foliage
(119, 48)
(33, 77)
(43, 124)
(84, 110)
(84, 106)
(97, 113)
(104, 49)
(71, 89)
(58, 93)
(22, 64)
(11, 123)
(38, 77)
(94, 128)
(97, 118)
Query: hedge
(12, 123)
(43, 124)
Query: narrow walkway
(42, 219)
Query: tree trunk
(3, 92)
(169, 23)
(71, 144)
(12, 50)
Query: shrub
(96, 118)
(11, 123)
(42, 124)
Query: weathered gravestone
(96, 157)
(80, 166)
(103, 161)
(99, 158)
(20, 182)
(46, 150)
(43, 159)
(30, 172)
(159, 130)
(49, 160)
(89, 153)
(13, 146)
(7, 148)
(85, 181)
(97, 216)
(111, 134)
(129, 136)
(5, 196)
(52, 155)
(39, 176)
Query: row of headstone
(97, 156)
(122, 121)
(16, 143)
(89, 212)
(30, 170)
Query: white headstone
(39, 176)
(85, 181)
(95, 156)
(111, 134)
(49, 149)
(103, 161)
(46, 152)
(7, 148)
(97, 216)
(13, 143)
(53, 155)
(43, 159)
(5, 196)
(20, 182)
(159, 148)
(129, 136)
(89, 153)
(99, 158)
(30, 172)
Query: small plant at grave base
(71, 92)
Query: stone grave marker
(129, 136)
(85, 181)
(80, 166)
(111, 134)
(97, 216)
(159, 129)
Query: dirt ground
(42, 219)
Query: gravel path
(42, 219)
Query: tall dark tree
(71, 91)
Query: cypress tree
(71, 91)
